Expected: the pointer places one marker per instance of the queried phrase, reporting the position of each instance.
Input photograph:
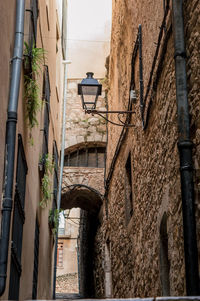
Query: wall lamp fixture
(90, 89)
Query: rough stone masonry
(135, 247)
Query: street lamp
(89, 89)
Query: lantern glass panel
(89, 90)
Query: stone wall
(92, 177)
(81, 127)
(83, 131)
(135, 248)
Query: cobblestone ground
(67, 283)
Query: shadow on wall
(87, 231)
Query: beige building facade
(67, 262)
(31, 243)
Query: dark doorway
(164, 261)
(87, 231)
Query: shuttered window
(33, 12)
(18, 222)
(46, 99)
(36, 258)
(55, 177)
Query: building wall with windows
(30, 258)
(67, 246)
(141, 232)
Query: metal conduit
(185, 153)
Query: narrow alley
(100, 150)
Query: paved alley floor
(67, 296)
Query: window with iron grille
(46, 99)
(33, 11)
(60, 255)
(128, 190)
(36, 257)
(18, 222)
(86, 157)
(55, 177)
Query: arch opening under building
(89, 200)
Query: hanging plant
(33, 60)
(33, 101)
(35, 57)
(46, 180)
(54, 215)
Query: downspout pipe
(61, 169)
(10, 141)
(185, 153)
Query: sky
(88, 37)
(89, 19)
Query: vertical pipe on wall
(185, 153)
(10, 141)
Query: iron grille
(55, 178)
(46, 85)
(33, 24)
(36, 256)
(46, 129)
(46, 97)
(34, 8)
(86, 157)
(18, 221)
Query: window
(128, 190)
(164, 261)
(18, 222)
(55, 177)
(33, 11)
(46, 98)
(61, 228)
(60, 255)
(86, 157)
(36, 257)
(47, 14)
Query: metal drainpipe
(61, 171)
(185, 153)
(10, 141)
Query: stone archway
(83, 187)
(89, 200)
(82, 196)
